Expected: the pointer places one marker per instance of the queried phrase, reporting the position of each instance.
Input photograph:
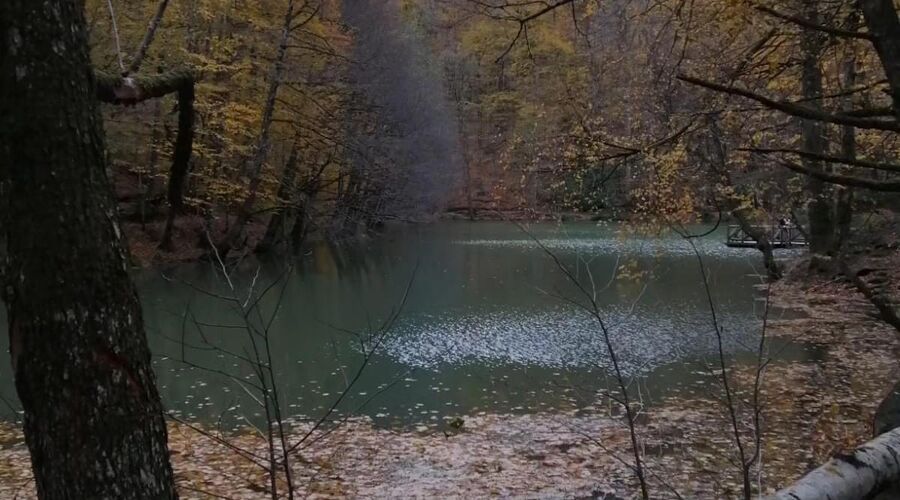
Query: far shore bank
(191, 243)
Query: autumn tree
(827, 36)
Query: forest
(602, 249)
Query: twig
(115, 27)
(594, 310)
(148, 37)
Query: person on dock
(784, 234)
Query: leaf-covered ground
(811, 410)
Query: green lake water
(488, 323)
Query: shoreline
(189, 245)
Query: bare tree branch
(797, 110)
(501, 11)
(887, 167)
(806, 23)
(148, 37)
(845, 180)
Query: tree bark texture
(867, 472)
(881, 20)
(93, 420)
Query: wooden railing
(780, 236)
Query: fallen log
(872, 471)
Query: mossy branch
(116, 89)
(130, 90)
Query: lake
(488, 323)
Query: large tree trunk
(821, 220)
(866, 473)
(881, 19)
(93, 419)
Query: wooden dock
(788, 236)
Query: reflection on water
(489, 324)
(560, 337)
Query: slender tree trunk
(467, 178)
(148, 37)
(275, 230)
(151, 162)
(116, 89)
(301, 222)
(93, 419)
(844, 209)
(466, 154)
(773, 271)
(181, 159)
(349, 205)
(261, 151)
(821, 220)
